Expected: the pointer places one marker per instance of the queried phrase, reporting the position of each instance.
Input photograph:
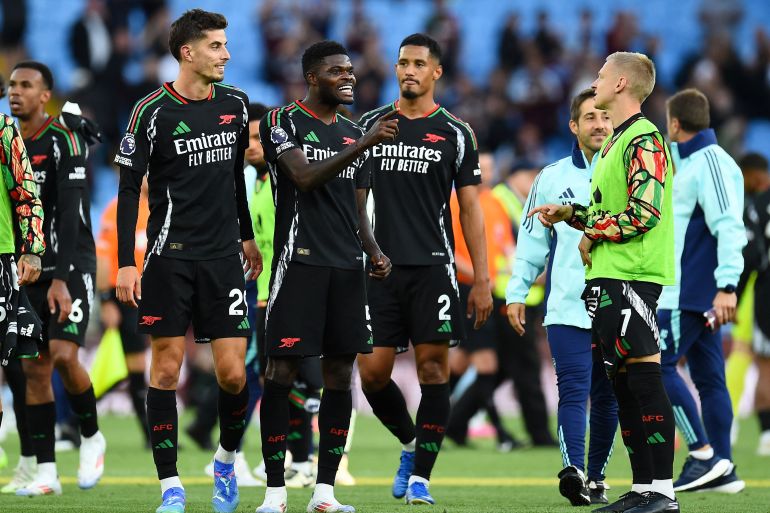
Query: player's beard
(330, 98)
(410, 94)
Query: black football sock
(14, 374)
(274, 420)
(163, 427)
(300, 431)
(84, 407)
(764, 420)
(41, 420)
(232, 417)
(646, 384)
(633, 432)
(333, 426)
(137, 390)
(389, 406)
(432, 418)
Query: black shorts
(209, 293)
(624, 320)
(132, 340)
(314, 310)
(20, 327)
(81, 289)
(418, 304)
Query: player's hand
(381, 266)
(550, 214)
(385, 129)
(516, 317)
(585, 250)
(128, 288)
(110, 314)
(28, 269)
(725, 304)
(59, 296)
(480, 300)
(252, 265)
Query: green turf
(465, 480)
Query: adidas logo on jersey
(446, 327)
(244, 325)
(311, 137)
(72, 329)
(181, 128)
(567, 195)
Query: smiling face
(27, 92)
(417, 71)
(592, 126)
(208, 55)
(334, 79)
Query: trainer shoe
(597, 490)
(764, 444)
(654, 502)
(344, 477)
(225, 497)
(242, 471)
(299, 475)
(173, 501)
(23, 475)
(328, 506)
(404, 472)
(697, 472)
(275, 501)
(91, 460)
(417, 493)
(728, 483)
(572, 485)
(626, 501)
(41, 486)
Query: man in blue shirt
(710, 235)
(568, 325)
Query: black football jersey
(318, 227)
(188, 149)
(755, 255)
(412, 180)
(58, 159)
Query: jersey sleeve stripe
(374, 114)
(464, 124)
(140, 106)
(69, 137)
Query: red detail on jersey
(36, 160)
(433, 138)
(348, 140)
(288, 342)
(226, 119)
(149, 320)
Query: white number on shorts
(240, 297)
(2, 309)
(626, 313)
(442, 314)
(76, 315)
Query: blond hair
(638, 69)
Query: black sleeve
(70, 184)
(128, 211)
(754, 253)
(276, 133)
(134, 150)
(241, 200)
(468, 172)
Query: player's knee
(432, 372)
(232, 380)
(65, 361)
(164, 376)
(373, 378)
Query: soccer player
(64, 294)
(412, 181)
(115, 314)
(628, 249)
(20, 328)
(710, 235)
(568, 181)
(317, 303)
(189, 137)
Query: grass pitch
(464, 481)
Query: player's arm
(17, 175)
(722, 208)
(645, 162)
(381, 265)
(532, 248)
(128, 288)
(308, 176)
(472, 222)
(754, 253)
(252, 258)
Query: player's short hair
(419, 39)
(577, 102)
(44, 70)
(192, 26)
(256, 111)
(317, 52)
(638, 69)
(753, 162)
(691, 108)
